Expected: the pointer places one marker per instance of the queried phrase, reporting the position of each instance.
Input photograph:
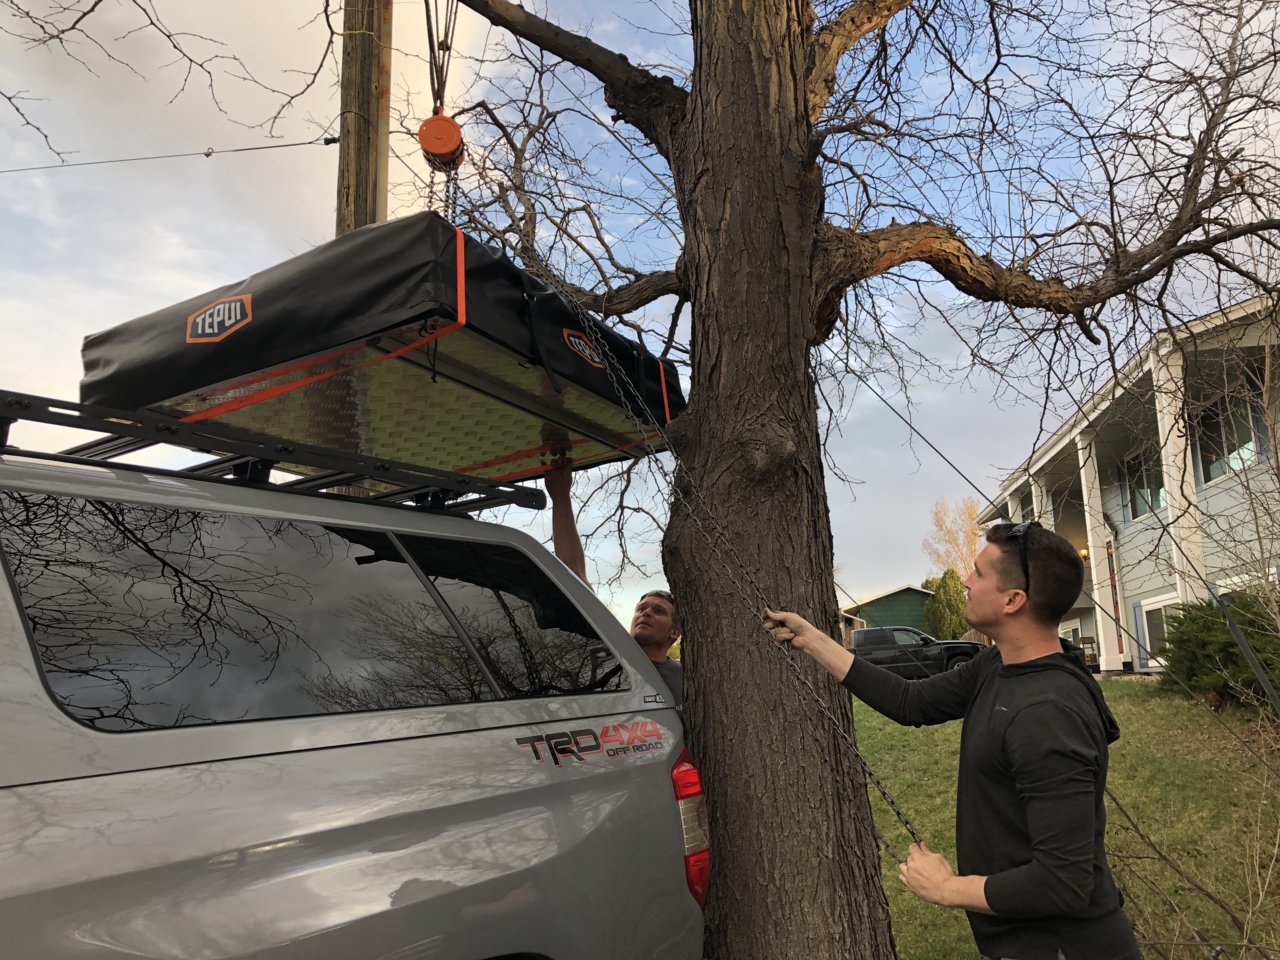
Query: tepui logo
(220, 319)
(583, 347)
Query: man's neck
(1021, 642)
(657, 656)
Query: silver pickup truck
(239, 721)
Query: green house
(900, 607)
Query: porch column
(1013, 510)
(1111, 644)
(1173, 437)
(1041, 503)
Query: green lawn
(1193, 789)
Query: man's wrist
(965, 893)
(951, 893)
(831, 656)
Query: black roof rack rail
(242, 456)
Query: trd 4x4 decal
(615, 740)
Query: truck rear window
(148, 617)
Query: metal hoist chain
(452, 191)
(444, 199)
(719, 545)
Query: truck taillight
(693, 821)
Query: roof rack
(241, 456)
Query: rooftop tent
(406, 340)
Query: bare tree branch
(13, 100)
(836, 38)
(76, 28)
(650, 103)
(625, 299)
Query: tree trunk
(751, 198)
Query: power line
(925, 440)
(206, 153)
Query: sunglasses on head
(664, 594)
(1019, 533)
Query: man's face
(985, 605)
(653, 625)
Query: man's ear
(1014, 601)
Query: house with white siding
(1165, 480)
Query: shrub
(944, 611)
(1201, 652)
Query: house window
(1152, 615)
(1143, 482)
(1153, 621)
(1069, 630)
(1228, 431)
(1224, 432)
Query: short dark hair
(1056, 571)
(667, 596)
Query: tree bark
(751, 477)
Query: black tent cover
(401, 277)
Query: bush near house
(1201, 652)
(944, 611)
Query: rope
(442, 21)
(1191, 566)
(443, 196)
(833, 721)
(1124, 631)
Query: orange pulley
(441, 140)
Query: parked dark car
(910, 653)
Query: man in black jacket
(1030, 815)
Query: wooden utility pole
(366, 114)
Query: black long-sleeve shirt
(1030, 815)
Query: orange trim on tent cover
(662, 379)
(271, 393)
(543, 467)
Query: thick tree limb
(632, 296)
(651, 104)
(836, 39)
(846, 256)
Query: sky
(85, 248)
